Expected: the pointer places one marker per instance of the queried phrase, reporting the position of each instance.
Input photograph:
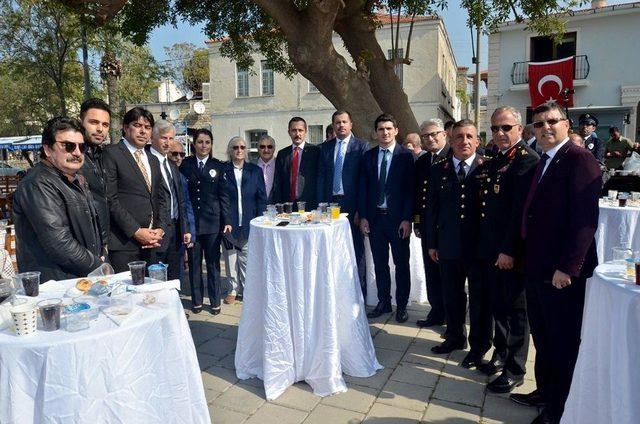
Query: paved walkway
(416, 386)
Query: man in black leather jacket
(95, 116)
(56, 222)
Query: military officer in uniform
(211, 210)
(434, 142)
(498, 266)
(452, 225)
(588, 124)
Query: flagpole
(565, 98)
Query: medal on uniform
(496, 188)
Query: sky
(455, 20)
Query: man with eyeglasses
(56, 220)
(560, 253)
(136, 193)
(176, 152)
(434, 142)
(267, 162)
(498, 265)
(95, 116)
(178, 233)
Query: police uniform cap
(587, 119)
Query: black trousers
(209, 244)
(509, 311)
(555, 317)
(384, 234)
(120, 258)
(454, 275)
(434, 284)
(358, 248)
(171, 255)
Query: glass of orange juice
(301, 206)
(335, 210)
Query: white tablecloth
(606, 380)
(617, 227)
(144, 371)
(418, 291)
(303, 316)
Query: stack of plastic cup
(25, 318)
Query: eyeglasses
(239, 147)
(551, 122)
(176, 154)
(431, 134)
(70, 147)
(505, 128)
(266, 147)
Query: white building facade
(607, 77)
(249, 104)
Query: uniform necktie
(143, 169)
(382, 179)
(172, 190)
(532, 191)
(294, 174)
(200, 166)
(433, 157)
(337, 170)
(461, 173)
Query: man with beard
(56, 222)
(95, 116)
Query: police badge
(213, 173)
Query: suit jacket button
(462, 216)
(484, 203)
(462, 205)
(482, 215)
(462, 185)
(198, 182)
(424, 198)
(486, 191)
(424, 189)
(462, 196)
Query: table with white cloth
(616, 227)
(418, 292)
(144, 370)
(606, 379)
(303, 316)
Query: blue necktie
(337, 170)
(200, 167)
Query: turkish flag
(548, 79)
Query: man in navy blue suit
(385, 205)
(244, 184)
(560, 218)
(339, 176)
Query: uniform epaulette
(439, 161)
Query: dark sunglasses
(505, 128)
(239, 147)
(176, 154)
(551, 122)
(70, 147)
(266, 147)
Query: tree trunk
(115, 131)
(61, 98)
(85, 61)
(360, 40)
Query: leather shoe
(239, 297)
(504, 383)
(472, 359)
(429, 322)
(381, 308)
(449, 346)
(196, 309)
(229, 299)
(494, 366)
(216, 311)
(401, 314)
(545, 418)
(528, 399)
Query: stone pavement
(416, 385)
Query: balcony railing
(520, 70)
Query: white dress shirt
(386, 171)
(468, 162)
(203, 160)
(145, 160)
(340, 145)
(551, 153)
(237, 172)
(167, 179)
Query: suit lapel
(555, 164)
(129, 157)
(331, 147)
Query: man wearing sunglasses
(498, 265)
(136, 193)
(560, 252)
(266, 162)
(95, 116)
(433, 138)
(56, 221)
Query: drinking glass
(620, 254)
(288, 207)
(6, 289)
(137, 272)
(279, 208)
(158, 272)
(301, 206)
(335, 210)
(50, 313)
(30, 282)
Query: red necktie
(294, 174)
(532, 191)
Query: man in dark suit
(178, 226)
(135, 192)
(385, 205)
(587, 129)
(560, 217)
(210, 203)
(452, 225)
(434, 140)
(339, 176)
(95, 116)
(498, 265)
(244, 184)
(296, 172)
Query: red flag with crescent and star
(548, 79)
